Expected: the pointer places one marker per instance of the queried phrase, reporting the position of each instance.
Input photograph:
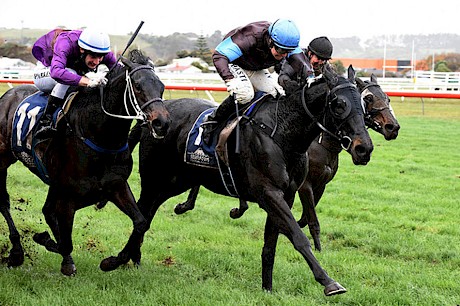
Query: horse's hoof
(179, 209)
(69, 270)
(109, 264)
(333, 289)
(16, 258)
(317, 244)
(68, 266)
(41, 238)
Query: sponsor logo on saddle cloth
(197, 152)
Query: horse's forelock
(136, 56)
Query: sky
(332, 18)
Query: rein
(129, 91)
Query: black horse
(271, 163)
(88, 160)
(323, 157)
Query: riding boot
(47, 129)
(223, 112)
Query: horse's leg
(190, 203)
(65, 213)
(237, 212)
(124, 200)
(309, 215)
(280, 214)
(16, 256)
(148, 204)
(268, 254)
(59, 216)
(49, 212)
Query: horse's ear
(360, 82)
(351, 74)
(330, 75)
(373, 78)
(127, 62)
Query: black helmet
(321, 46)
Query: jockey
(318, 52)
(243, 57)
(64, 57)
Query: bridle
(371, 114)
(345, 141)
(130, 98)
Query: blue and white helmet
(284, 34)
(94, 41)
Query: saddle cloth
(197, 152)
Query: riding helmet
(94, 41)
(284, 34)
(321, 46)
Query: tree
(441, 67)
(202, 51)
(338, 67)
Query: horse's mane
(136, 56)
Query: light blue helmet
(284, 34)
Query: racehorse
(88, 159)
(270, 164)
(323, 157)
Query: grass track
(390, 234)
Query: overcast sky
(333, 18)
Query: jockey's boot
(47, 129)
(222, 112)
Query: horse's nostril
(362, 150)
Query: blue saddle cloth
(202, 154)
(197, 152)
(26, 117)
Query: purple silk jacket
(58, 49)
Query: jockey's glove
(241, 90)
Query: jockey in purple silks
(69, 58)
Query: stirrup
(206, 123)
(45, 132)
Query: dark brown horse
(323, 153)
(271, 164)
(88, 160)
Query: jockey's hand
(239, 90)
(102, 69)
(96, 81)
(96, 78)
(277, 89)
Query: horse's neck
(296, 126)
(90, 120)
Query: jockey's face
(278, 53)
(92, 60)
(316, 61)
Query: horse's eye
(368, 98)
